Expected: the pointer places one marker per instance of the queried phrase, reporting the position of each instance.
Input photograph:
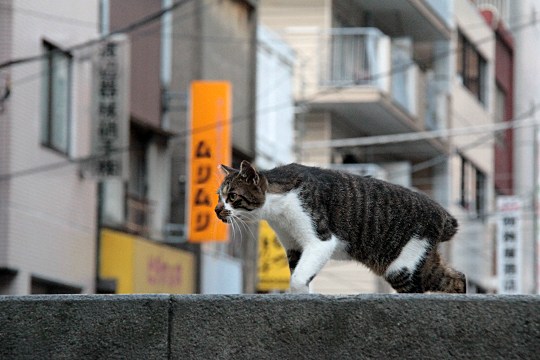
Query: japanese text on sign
(111, 108)
(509, 244)
(210, 147)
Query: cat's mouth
(224, 215)
(225, 220)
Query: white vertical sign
(509, 211)
(110, 129)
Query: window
(472, 189)
(56, 99)
(138, 207)
(500, 113)
(471, 67)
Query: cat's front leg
(312, 259)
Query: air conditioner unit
(174, 233)
(372, 170)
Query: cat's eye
(233, 196)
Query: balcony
(373, 84)
(423, 20)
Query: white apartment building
(520, 19)
(47, 209)
(526, 155)
(379, 67)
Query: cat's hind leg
(439, 277)
(404, 273)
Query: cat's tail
(450, 228)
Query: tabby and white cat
(321, 214)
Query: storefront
(137, 265)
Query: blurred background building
(95, 135)
(376, 68)
(47, 218)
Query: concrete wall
(269, 327)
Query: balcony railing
(139, 213)
(355, 56)
(365, 57)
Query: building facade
(60, 222)
(47, 214)
(136, 252)
(368, 71)
(214, 41)
(516, 24)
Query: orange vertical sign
(210, 146)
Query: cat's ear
(248, 172)
(227, 170)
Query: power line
(404, 67)
(228, 122)
(181, 134)
(133, 38)
(186, 132)
(51, 17)
(126, 29)
(329, 90)
(517, 122)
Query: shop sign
(210, 146)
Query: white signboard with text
(509, 241)
(110, 130)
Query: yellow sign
(140, 266)
(210, 146)
(273, 267)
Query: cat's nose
(222, 213)
(219, 208)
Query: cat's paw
(298, 286)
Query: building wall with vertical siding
(50, 214)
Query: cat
(320, 214)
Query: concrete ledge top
(277, 297)
(166, 326)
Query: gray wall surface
(269, 326)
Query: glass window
(56, 88)
(473, 185)
(471, 68)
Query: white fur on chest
(293, 226)
(285, 214)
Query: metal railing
(352, 57)
(357, 57)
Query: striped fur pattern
(320, 214)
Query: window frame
(50, 92)
(471, 66)
(473, 188)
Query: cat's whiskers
(235, 221)
(246, 225)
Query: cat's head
(241, 194)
